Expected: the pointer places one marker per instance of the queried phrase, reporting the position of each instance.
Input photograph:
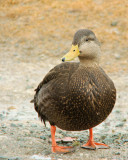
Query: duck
(76, 96)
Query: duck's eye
(86, 39)
(74, 50)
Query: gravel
(23, 66)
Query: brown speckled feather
(74, 97)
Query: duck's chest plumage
(74, 97)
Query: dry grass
(40, 20)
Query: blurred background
(34, 29)
(35, 34)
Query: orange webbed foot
(94, 145)
(62, 149)
(55, 147)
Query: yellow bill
(73, 53)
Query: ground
(34, 35)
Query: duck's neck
(88, 62)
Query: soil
(34, 35)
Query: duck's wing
(61, 70)
(57, 71)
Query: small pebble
(107, 139)
(115, 136)
(15, 158)
(3, 130)
(29, 87)
(114, 23)
(31, 131)
(20, 139)
(14, 119)
(120, 125)
(117, 147)
(81, 154)
(75, 143)
(13, 125)
(3, 126)
(15, 54)
(124, 120)
(117, 111)
(48, 134)
(3, 158)
(2, 117)
(20, 125)
(12, 133)
(38, 157)
(33, 125)
(80, 139)
(43, 137)
(103, 137)
(117, 56)
(125, 140)
(11, 108)
(117, 153)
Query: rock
(13, 125)
(31, 131)
(47, 152)
(33, 125)
(120, 125)
(108, 140)
(20, 125)
(29, 87)
(11, 108)
(117, 147)
(117, 56)
(81, 139)
(75, 143)
(117, 111)
(103, 137)
(124, 120)
(15, 158)
(116, 136)
(43, 137)
(125, 140)
(3, 158)
(14, 119)
(20, 139)
(38, 157)
(2, 117)
(8, 158)
(20, 113)
(48, 129)
(15, 54)
(3, 126)
(114, 23)
(81, 154)
(48, 134)
(3, 130)
(36, 136)
(117, 153)
(119, 142)
(60, 131)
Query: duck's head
(85, 45)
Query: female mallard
(76, 96)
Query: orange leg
(93, 145)
(55, 147)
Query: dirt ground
(34, 35)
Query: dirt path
(22, 135)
